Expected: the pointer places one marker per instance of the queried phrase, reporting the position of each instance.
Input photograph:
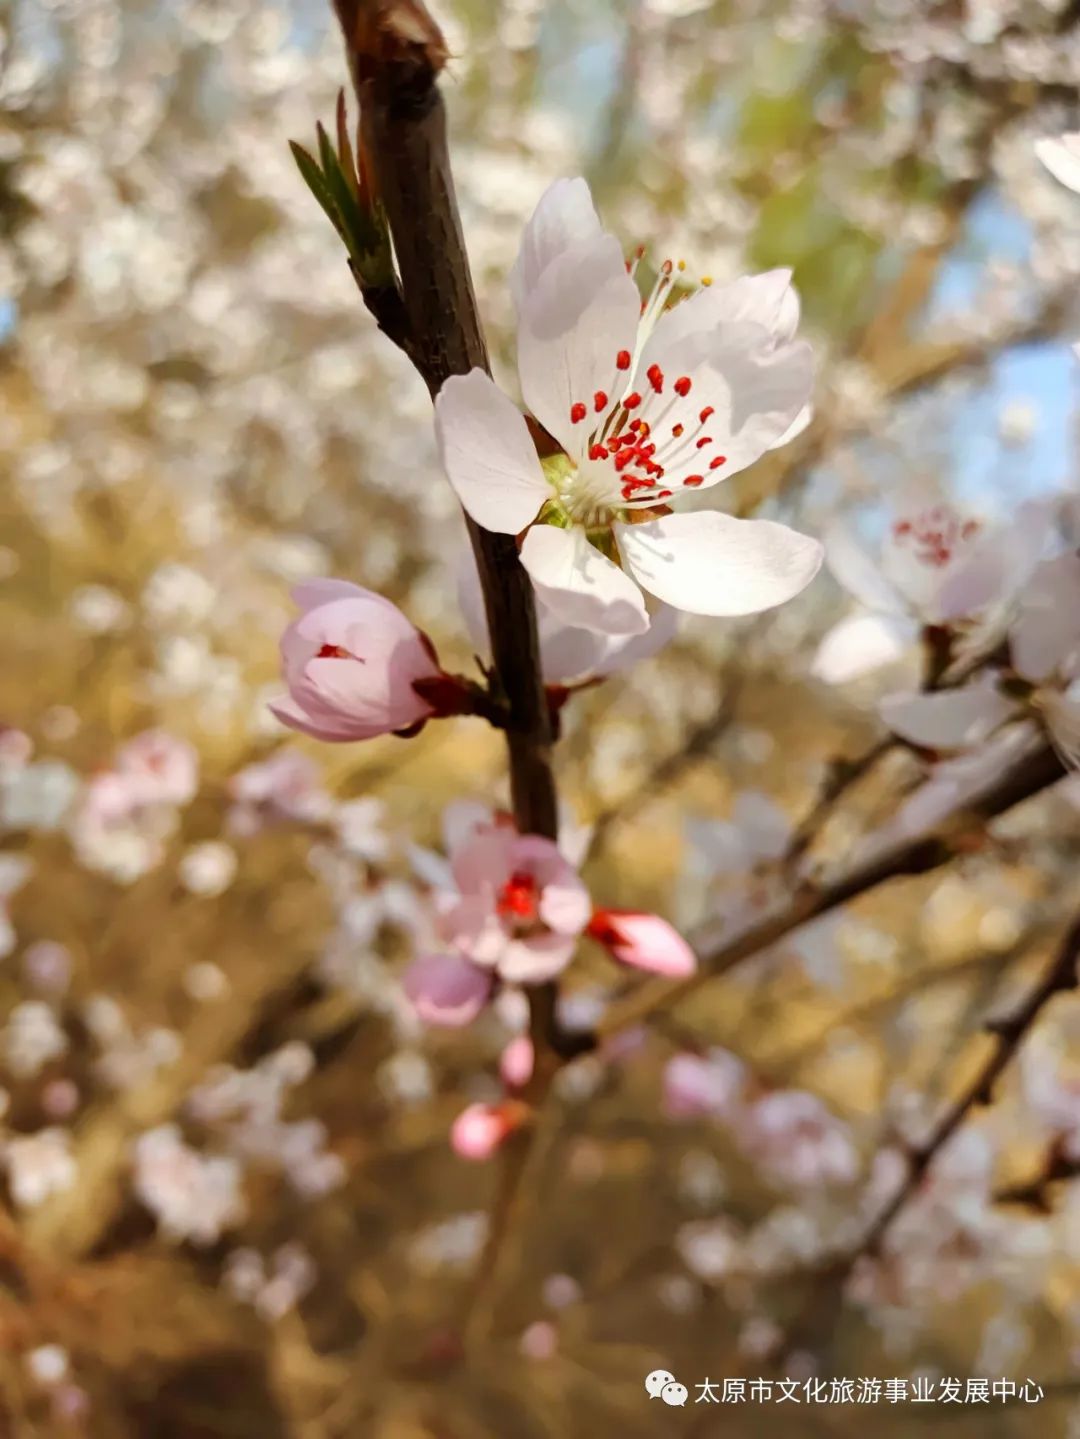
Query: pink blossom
(481, 1129)
(354, 666)
(935, 565)
(540, 1341)
(158, 768)
(1044, 648)
(517, 913)
(798, 1141)
(703, 1084)
(287, 785)
(516, 1062)
(644, 941)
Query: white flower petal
(563, 218)
(581, 586)
(713, 564)
(727, 395)
(581, 313)
(488, 453)
(1046, 634)
(994, 567)
(567, 652)
(795, 429)
(853, 566)
(1061, 156)
(768, 300)
(859, 645)
(949, 719)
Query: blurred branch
(889, 859)
(1008, 1034)
(1035, 1193)
(671, 768)
(841, 776)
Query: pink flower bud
(516, 1062)
(644, 941)
(481, 1129)
(355, 665)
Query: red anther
(676, 430)
(705, 440)
(599, 401)
(666, 267)
(646, 429)
(623, 459)
(634, 424)
(640, 252)
(598, 452)
(577, 412)
(622, 359)
(706, 412)
(631, 401)
(717, 461)
(663, 494)
(682, 385)
(655, 377)
(694, 480)
(335, 652)
(901, 528)
(971, 527)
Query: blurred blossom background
(230, 1201)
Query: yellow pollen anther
(706, 280)
(682, 264)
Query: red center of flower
(519, 898)
(335, 652)
(661, 435)
(934, 535)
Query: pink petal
(446, 990)
(516, 1062)
(479, 1130)
(644, 941)
(537, 959)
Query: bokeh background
(230, 1204)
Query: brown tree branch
(905, 855)
(396, 53)
(1008, 1034)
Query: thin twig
(904, 856)
(1008, 1034)
(667, 771)
(842, 775)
